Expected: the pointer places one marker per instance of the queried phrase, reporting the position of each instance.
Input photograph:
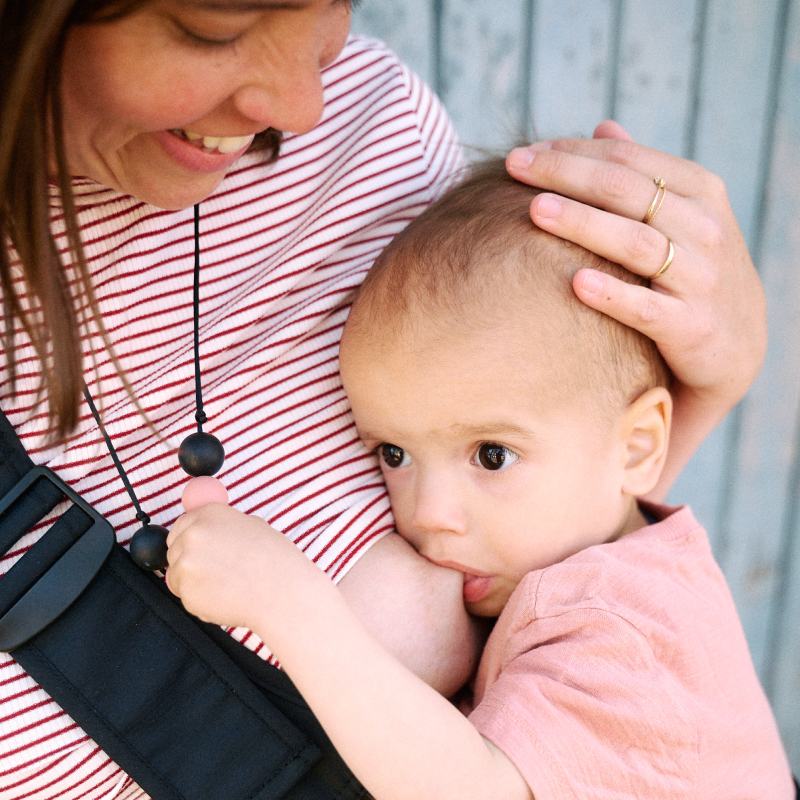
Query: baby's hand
(226, 566)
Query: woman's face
(160, 103)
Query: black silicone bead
(149, 547)
(201, 454)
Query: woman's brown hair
(32, 38)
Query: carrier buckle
(67, 576)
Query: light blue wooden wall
(714, 80)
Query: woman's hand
(706, 312)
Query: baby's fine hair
(475, 254)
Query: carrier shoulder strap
(185, 710)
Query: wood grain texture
(407, 27)
(572, 66)
(729, 132)
(655, 71)
(482, 79)
(758, 492)
(779, 398)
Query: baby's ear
(645, 428)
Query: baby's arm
(400, 737)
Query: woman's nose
(293, 104)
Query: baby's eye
(394, 456)
(495, 457)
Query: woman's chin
(175, 194)
(143, 170)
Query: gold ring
(658, 199)
(667, 263)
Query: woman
(118, 118)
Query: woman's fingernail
(590, 282)
(548, 206)
(520, 158)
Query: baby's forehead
(495, 338)
(497, 301)
(438, 384)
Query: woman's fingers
(682, 177)
(611, 129)
(637, 247)
(706, 312)
(602, 184)
(652, 313)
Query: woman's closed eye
(208, 36)
(494, 457)
(393, 456)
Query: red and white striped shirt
(283, 247)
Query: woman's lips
(194, 158)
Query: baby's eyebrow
(482, 430)
(486, 430)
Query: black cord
(199, 414)
(140, 515)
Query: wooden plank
(761, 496)
(727, 135)
(572, 67)
(784, 666)
(483, 84)
(407, 27)
(654, 98)
(733, 98)
(781, 256)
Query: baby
(517, 430)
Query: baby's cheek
(402, 501)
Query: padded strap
(181, 707)
(162, 700)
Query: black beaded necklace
(199, 453)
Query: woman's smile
(204, 154)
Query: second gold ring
(667, 261)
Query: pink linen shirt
(623, 672)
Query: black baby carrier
(184, 709)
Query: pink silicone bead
(203, 490)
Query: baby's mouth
(214, 144)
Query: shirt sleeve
(442, 151)
(587, 713)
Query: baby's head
(514, 425)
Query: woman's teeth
(215, 144)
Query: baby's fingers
(177, 528)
